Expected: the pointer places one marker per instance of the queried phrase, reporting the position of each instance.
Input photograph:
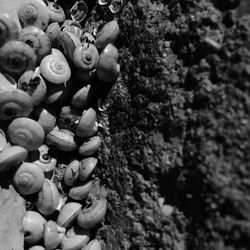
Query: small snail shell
(62, 139)
(71, 173)
(34, 12)
(80, 191)
(108, 34)
(36, 39)
(33, 84)
(48, 198)
(37, 248)
(67, 118)
(53, 235)
(14, 103)
(33, 227)
(17, 57)
(77, 31)
(111, 50)
(3, 141)
(55, 70)
(87, 126)
(8, 28)
(82, 97)
(75, 238)
(11, 157)
(26, 132)
(87, 38)
(56, 13)
(68, 214)
(28, 178)
(90, 146)
(52, 32)
(93, 245)
(85, 56)
(92, 215)
(87, 167)
(67, 43)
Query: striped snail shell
(36, 39)
(56, 13)
(8, 28)
(26, 132)
(52, 32)
(17, 57)
(34, 12)
(86, 56)
(28, 178)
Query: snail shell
(77, 31)
(14, 103)
(79, 11)
(8, 28)
(108, 34)
(93, 245)
(58, 53)
(111, 50)
(92, 215)
(90, 146)
(82, 97)
(26, 132)
(17, 57)
(56, 13)
(87, 167)
(37, 248)
(62, 139)
(48, 198)
(75, 238)
(69, 22)
(68, 214)
(10, 79)
(36, 39)
(34, 12)
(11, 157)
(52, 32)
(33, 84)
(87, 126)
(33, 227)
(28, 178)
(80, 191)
(71, 173)
(86, 56)
(3, 141)
(55, 70)
(53, 235)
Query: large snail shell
(86, 56)
(108, 34)
(48, 198)
(53, 235)
(68, 214)
(87, 167)
(8, 28)
(71, 173)
(36, 39)
(33, 84)
(75, 238)
(17, 57)
(56, 13)
(33, 227)
(52, 32)
(90, 146)
(26, 132)
(87, 126)
(34, 12)
(28, 178)
(11, 157)
(55, 70)
(93, 245)
(14, 103)
(80, 191)
(92, 215)
(82, 97)
(37, 248)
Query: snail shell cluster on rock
(50, 67)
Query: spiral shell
(80, 191)
(93, 245)
(33, 84)
(82, 97)
(90, 146)
(12, 157)
(34, 12)
(87, 167)
(28, 178)
(17, 57)
(26, 132)
(56, 13)
(55, 70)
(33, 227)
(36, 39)
(8, 28)
(48, 198)
(92, 215)
(86, 56)
(14, 103)
(71, 173)
(52, 32)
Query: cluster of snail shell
(49, 62)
